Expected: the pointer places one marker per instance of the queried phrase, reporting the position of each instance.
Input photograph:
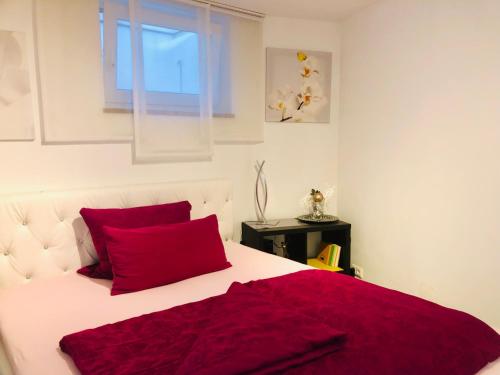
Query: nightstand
(295, 233)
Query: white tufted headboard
(43, 235)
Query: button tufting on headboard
(43, 235)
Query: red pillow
(145, 258)
(136, 217)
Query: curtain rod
(222, 6)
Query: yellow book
(327, 259)
(316, 263)
(337, 255)
(330, 255)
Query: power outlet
(358, 271)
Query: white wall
(31, 166)
(301, 156)
(419, 148)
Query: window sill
(166, 112)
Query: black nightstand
(295, 233)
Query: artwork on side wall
(298, 86)
(16, 110)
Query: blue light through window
(171, 64)
(170, 59)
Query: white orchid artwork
(16, 111)
(298, 86)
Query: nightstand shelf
(295, 232)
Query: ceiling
(328, 10)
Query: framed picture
(16, 109)
(298, 85)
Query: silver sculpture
(260, 192)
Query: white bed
(44, 241)
(71, 303)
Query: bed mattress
(33, 318)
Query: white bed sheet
(33, 318)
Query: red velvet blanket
(238, 332)
(293, 323)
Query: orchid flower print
(303, 102)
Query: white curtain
(68, 43)
(246, 62)
(170, 126)
(87, 96)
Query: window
(170, 59)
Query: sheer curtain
(188, 61)
(172, 121)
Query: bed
(44, 241)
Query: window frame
(173, 103)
